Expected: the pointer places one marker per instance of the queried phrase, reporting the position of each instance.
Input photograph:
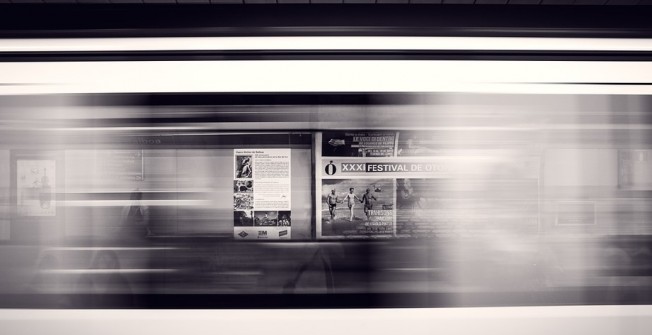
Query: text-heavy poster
(262, 194)
(35, 187)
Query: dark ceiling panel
(491, 2)
(590, 2)
(97, 20)
(524, 2)
(623, 2)
(458, 2)
(557, 2)
(204, 2)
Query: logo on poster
(282, 233)
(330, 169)
(262, 233)
(243, 234)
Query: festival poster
(36, 187)
(262, 194)
(350, 204)
(426, 195)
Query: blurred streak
(557, 209)
(324, 43)
(106, 271)
(527, 77)
(107, 248)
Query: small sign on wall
(36, 187)
(635, 169)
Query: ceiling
(144, 18)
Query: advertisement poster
(421, 192)
(351, 202)
(358, 144)
(36, 187)
(262, 194)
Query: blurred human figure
(47, 282)
(42, 279)
(45, 196)
(407, 196)
(103, 285)
(135, 218)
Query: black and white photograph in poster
(242, 201)
(266, 218)
(243, 166)
(262, 194)
(243, 218)
(284, 219)
(358, 144)
(36, 187)
(357, 207)
(243, 186)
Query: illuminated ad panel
(379, 184)
(261, 194)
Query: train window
(129, 200)
(321, 183)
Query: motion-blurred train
(219, 182)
